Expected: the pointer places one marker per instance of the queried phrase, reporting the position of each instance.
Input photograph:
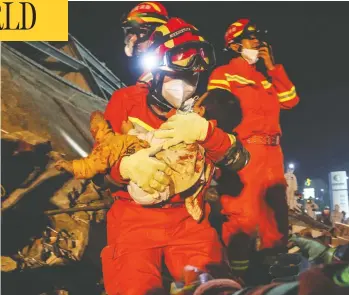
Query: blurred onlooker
(292, 187)
(325, 217)
(336, 215)
(311, 207)
(345, 220)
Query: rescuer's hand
(266, 54)
(187, 128)
(143, 169)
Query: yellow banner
(34, 20)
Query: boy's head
(99, 127)
(222, 108)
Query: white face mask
(177, 91)
(250, 55)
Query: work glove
(187, 128)
(143, 198)
(146, 171)
(316, 252)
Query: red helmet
(242, 28)
(179, 46)
(140, 23)
(146, 15)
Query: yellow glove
(143, 170)
(187, 128)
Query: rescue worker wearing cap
(260, 99)
(138, 25)
(140, 237)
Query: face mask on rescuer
(250, 55)
(177, 91)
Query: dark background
(311, 39)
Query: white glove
(187, 128)
(144, 198)
(146, 171)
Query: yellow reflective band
(239, 79)
(237, 34)
(237, 24)
(169, 44)
(211, 87)
(148, 19)
(239, 261)
(233, 141)
(287, 95)
(140, 123)
(239, 267)
(165, 31)
(266, 84)
(156, 7)
(223, 82)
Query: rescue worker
(292, 187)
(311, 207)
(336, 215)
(139, 237)
(259, 100)
(140, 23)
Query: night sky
(311, 39)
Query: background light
(322, 190)
(291, 166)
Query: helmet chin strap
(155, 92)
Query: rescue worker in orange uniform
(260, 98)
(140, 237)
(140, 23)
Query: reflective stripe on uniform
(222, 84)
(239, 264)
(266, 84)
(239, 79)
(287, 95)
(232, 139)
(141, 123)
(211, 87)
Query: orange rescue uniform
(140, 237)
(259, 131)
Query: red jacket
(131, 104)
(260, 100)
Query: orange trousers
(261, 204)
(140, 239)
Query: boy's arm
(115, 113)
(88, 167)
